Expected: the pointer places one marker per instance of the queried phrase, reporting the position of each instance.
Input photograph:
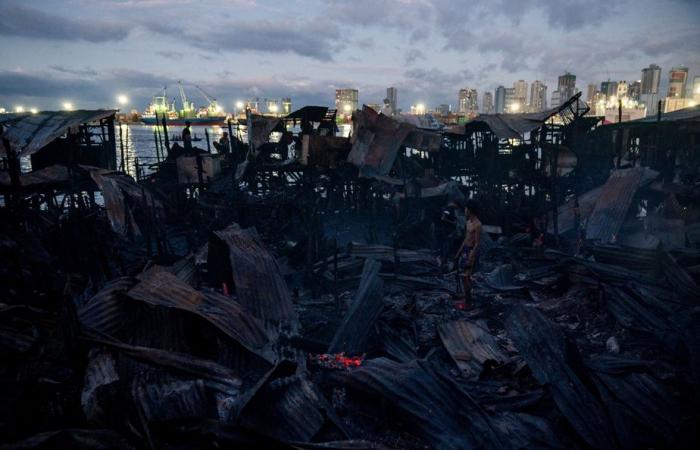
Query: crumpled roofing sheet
(377, 138)
(29, 133)
(259, 285)
(162, 288)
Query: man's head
(471, 209)
(187, 123)
(225, 134)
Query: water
(140, 143)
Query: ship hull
(195, 121)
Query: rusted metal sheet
(351, 336)
(105, 311)
(543, 347)
(377, 138)
(53, 175)
(162, 288)
(215, 375)
(31, 132)
(262, 127)
(509, 126)
(258, 282)
(429, 404)
(288, 407)
(470, 345)
(614, 201)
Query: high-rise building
(520, 88)
(487, 103)
(538, 96)
(591, 92)
(500, 99)
(609, 88)
(651, 77)
(511, 103)
(467, 101)
(391, 100)
(635, 90)
(556, 96)
(286, 105)
(443, 109)
(346, 100)
(696, 89)
(622, 89)
(566, 87)
(677, 80)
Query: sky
(90, 51)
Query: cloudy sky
(89, 51)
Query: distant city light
(67, 106)
(692, 103)
(273, 108)
(3, 110)
(33, 110)
(239, 104)
(19, 109)
(347, 107)
(218, 108)
(515, 107)
(420, 108)
(122, 99)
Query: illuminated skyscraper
(677, 80)
(500, 99)
(538, 96)
(520, 90)
(467, 101)
(346, 100)
(651, 77)
(566, 87)
(392, 100)
(487, 107)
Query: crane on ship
(185, 103)
(213, 105)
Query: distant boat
(160, 107)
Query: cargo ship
(203, 116)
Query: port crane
(213, 105)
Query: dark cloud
(176, 56)
(318, 39)
(72, 71)
(23, 21)
(413, 55)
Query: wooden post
(155, 138)
(165, 133)
(121, 147)
(230, 137)
(206, 134)
(619, 111)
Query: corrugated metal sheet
(685, 114)
(288, 408)
(470, 345)
(31, 132)
(351, 335)
(508, 126)
(429, 404)
(543, 347)
(259, 284)
(49, 175)
(105, 311)
(614, 201)
(377, 138)
(162, 288)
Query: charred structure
(300, 293)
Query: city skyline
(55, 52)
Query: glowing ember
(336, 360)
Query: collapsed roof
(29, 133)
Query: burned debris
(302, 293)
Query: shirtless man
(469, 249)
